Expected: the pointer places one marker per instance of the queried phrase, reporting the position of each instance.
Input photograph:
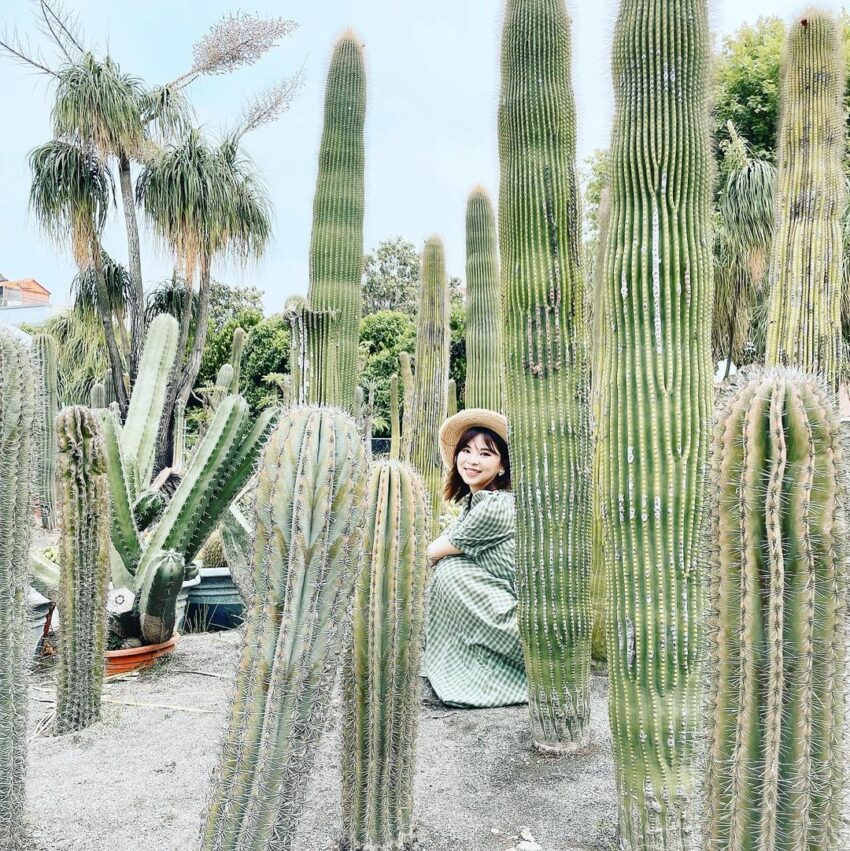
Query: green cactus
(307, 544)
(395, 425)
(18, 407)
(84, 556)
(483, 306)
(236, 347)
(546, 368)
(108, 388)
(44, 357)
(178, 455)
(655, 397)
(336, 244)
(407, 424)
(451, 398)
(212, 552)
(97, 396)
(804, 313)
(381, 669)
(429, 400)
(146, 404)
(777, 618)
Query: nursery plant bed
(133, 658)
(138, 779)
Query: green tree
(391, 277)
(219, 338)
(227, 301)
(266, 352)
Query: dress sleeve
(489, 522)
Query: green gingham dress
(473, 655)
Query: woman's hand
(440, 548)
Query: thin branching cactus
(546, 368)
(777, 618)
(307, 546)
(237, 346)
(804, 319)
(656, 388)
(84, 557)
(381, 669)
(17, 492)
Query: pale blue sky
(431, 122)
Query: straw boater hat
(452, 429)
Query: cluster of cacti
(84, 558)
(18, 407)
(156, 540)
(777, 618)
(655, 386)
(336, 243)
(804, 314)
(307, 544)
(428, 402)
(546, 367)
(44, 356)
(483, 306)
(236, 347)
(381, 669)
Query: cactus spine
(777, 618)
(84, 557)
(546, 369)
(483, 306)
(381, 672)
(44, 356)
(307, 541)
(336, 244)
(655, 404)
(17, 468)
(236, 347)
(431, 376)
(804, 321)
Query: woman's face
(478, 464)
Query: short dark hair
(456, 488)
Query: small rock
(526, 834)
(525, 845)
(495, 830)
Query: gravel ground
(137, 780)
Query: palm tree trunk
(105, 311)
(137, 301)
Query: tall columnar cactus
(546, 368)
(483, 306)
(84, 557)
(407, 389)
(336, 244)
(178, 454)
(451, 398)
(97, 396)
(395, 424)
(237, 345)
(44, 356)
(777, 618)
(307, 544)
(141, 429)
(381, 671)
(655, 385)
(431, 374)
(804, 320)
(17, 486)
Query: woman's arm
(440, 548)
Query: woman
(473, 655)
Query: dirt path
(137, 780)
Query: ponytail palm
(203, 201)
(70, 195)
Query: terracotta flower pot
(122, 661)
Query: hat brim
(452, 429)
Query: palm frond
(118, 285)
(70, 194)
